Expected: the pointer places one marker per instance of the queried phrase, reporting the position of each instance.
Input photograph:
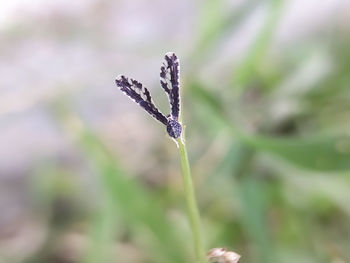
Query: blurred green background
(87, 176)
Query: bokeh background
(87, 176)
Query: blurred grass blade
(211, 22)
(257, 51)
(253, 198)
(319, 154)
(214, 26)
(322, 154)
(103, 231)
(135, 205)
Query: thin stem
(192, 208)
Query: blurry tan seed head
(231, 257)
(216, 252)
(220, 255)
(215, 255)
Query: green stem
(192, 208)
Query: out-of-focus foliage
(267, 131)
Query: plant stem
(192, 208)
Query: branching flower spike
(170, 82)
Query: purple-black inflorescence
(170, 82)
